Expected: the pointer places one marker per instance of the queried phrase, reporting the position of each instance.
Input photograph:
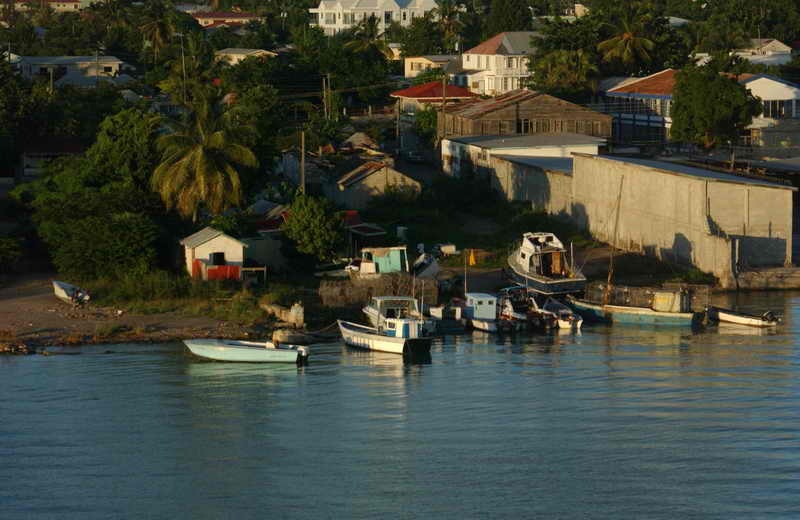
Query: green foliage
(315, 227)
(710, 108)
(238, 224)
(425, 121)
(565, 74)
(10, 253)
(434, 74)
(422, 37)
(96, 246)
(201, 159)
(508, 15)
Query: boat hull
(740, 318)
(368, 338)
(245, 351)
(637, 315)
(544, 284)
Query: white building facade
(498, 65)
(334, 16)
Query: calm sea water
(621, 422)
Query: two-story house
(413, 66)
(335, 16)
(642, 109)
(498, 65)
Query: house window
(404, 16)
(107, 69)
(777, 109)
(330, 18)
(523, 126)
(505, 83)
(510, 63)
(387, 17)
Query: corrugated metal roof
(478, 108)
(433, 90)
(361, 172)
(512, 42)
(203, 236)
(529, 140)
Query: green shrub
(10, 253)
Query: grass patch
(109, 330)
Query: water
(622, 422)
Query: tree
(448, 11)
(158, 30)
(422, 37)
(710, 108)
(628, 45)
(508, 15)
(367, 40)
(315, 226)
(201, 159)
(428, 75)
(566, 74)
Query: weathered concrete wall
(549, 191)
(683, 218)
(266, 250)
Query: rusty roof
(661, 84)
(474, 109)
(511, 42)
(433, 90)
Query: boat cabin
(404, 328)
(395, 306)
(542, 253)
(480, 306)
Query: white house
(334, 16)
(498, 65)
(215, 19)
(59, 6)
(31, 66)
(642, 108)
(210, 249)
(761, 51)
(233, 56)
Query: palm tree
(200, 161)
(628, 46)
(159, 30)
(448, 13)
(563, 71)
(367, 39)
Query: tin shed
(213, 255)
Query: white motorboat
(768, 319)
(540, 263)
(246, 351)
(396, 336)
(69, 293)
(518, 305)
(565, 317)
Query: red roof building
(413, 98)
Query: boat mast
(607, 292)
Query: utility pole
(324, 98)
(183, 66)
(96, 68)
(397, 128)
(303, 161)
(51, 81)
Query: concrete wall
(683, 218)
(549, 191)
(716, 225)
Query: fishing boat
(518, 305)
(541, 264)
(768, 319)
(479, 310)
(594, 311)
(565, 317)
(380, 308)
(396, 336)
(246, 351)
(69, 293)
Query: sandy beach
(31, 315)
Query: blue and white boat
(246, 351)
(396, 336)
(540, 263)
(598, 312)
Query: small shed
(213, 255)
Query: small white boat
(480, 311)
(740, 318)
(518, 305)
(246, 351)
(69, 293)
(541, 264)
(565, 317)
(396, 336)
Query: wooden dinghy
(68, 293)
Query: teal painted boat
(597, 312)
(246, 351)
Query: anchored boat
(246, 351)
(768, 319)
(396, 336)
(541, 264)
(664, 307)
(565, 317)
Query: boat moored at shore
(397, 336)
(246, 351)
(540, 263)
